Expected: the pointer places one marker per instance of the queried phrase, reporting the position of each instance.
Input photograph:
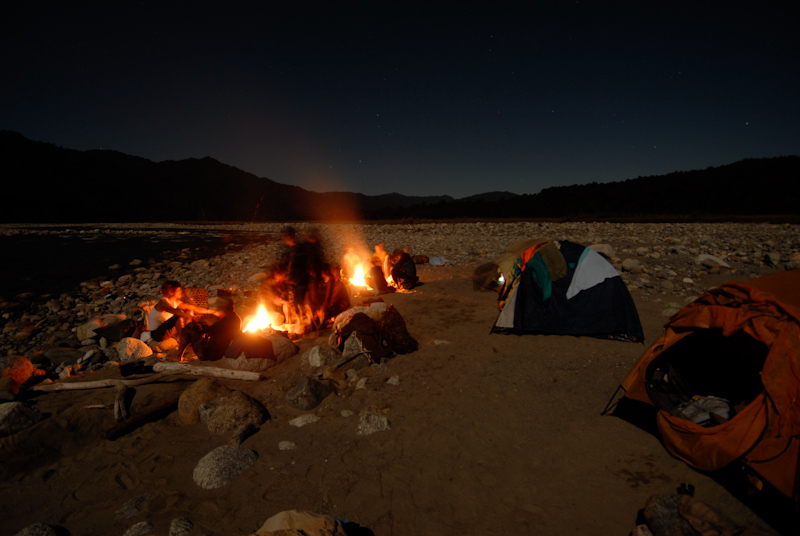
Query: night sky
(429, 98)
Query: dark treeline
(752, 187)
(52, 184)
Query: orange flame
(261, 320)
(358, 279)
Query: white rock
(303, 420)
(257, 277)
(143, 528)
(710, 261)
(631, 265)
(220, 466)
(180, 526)
(131, 349)
(370, 422)
(605, 249)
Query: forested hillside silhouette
(55, 184)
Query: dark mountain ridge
(53, 184)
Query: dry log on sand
(199, 370)
(122, 408)
(99, 384)
(164, 370)
(131, 424)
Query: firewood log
(132, 423)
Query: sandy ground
(490, 434)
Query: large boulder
(256, 352)
(365, 345)
(87, 330)
(62, 355)
(228, 413)
(18, 371)
(16, 416)
(43, 529)
(307, 394)
(203, 391)
(292, 522)
(220, 466)
(393, 331)
(130, 349)
(322, 355)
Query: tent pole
(612, 403)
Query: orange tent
(734, 351)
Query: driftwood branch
(98, 384)
(122, 402)
(164, 371)
(200, 370)
(129, 425)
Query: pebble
(40, 529)
(370, 422)
(303, 420)
(143, 528)
(180, 526)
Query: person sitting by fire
(383, 256)
(375, 278)
(296, 265)
(274, 293)
(315, 295)
(403, 270)
(209, 341)
(337, 296)
(168, 317)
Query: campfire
(358, 281)
(260, 321)
(263, 322)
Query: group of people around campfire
(302, 287)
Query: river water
(58, 262)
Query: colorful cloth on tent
(512, 278)
(546, 263)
